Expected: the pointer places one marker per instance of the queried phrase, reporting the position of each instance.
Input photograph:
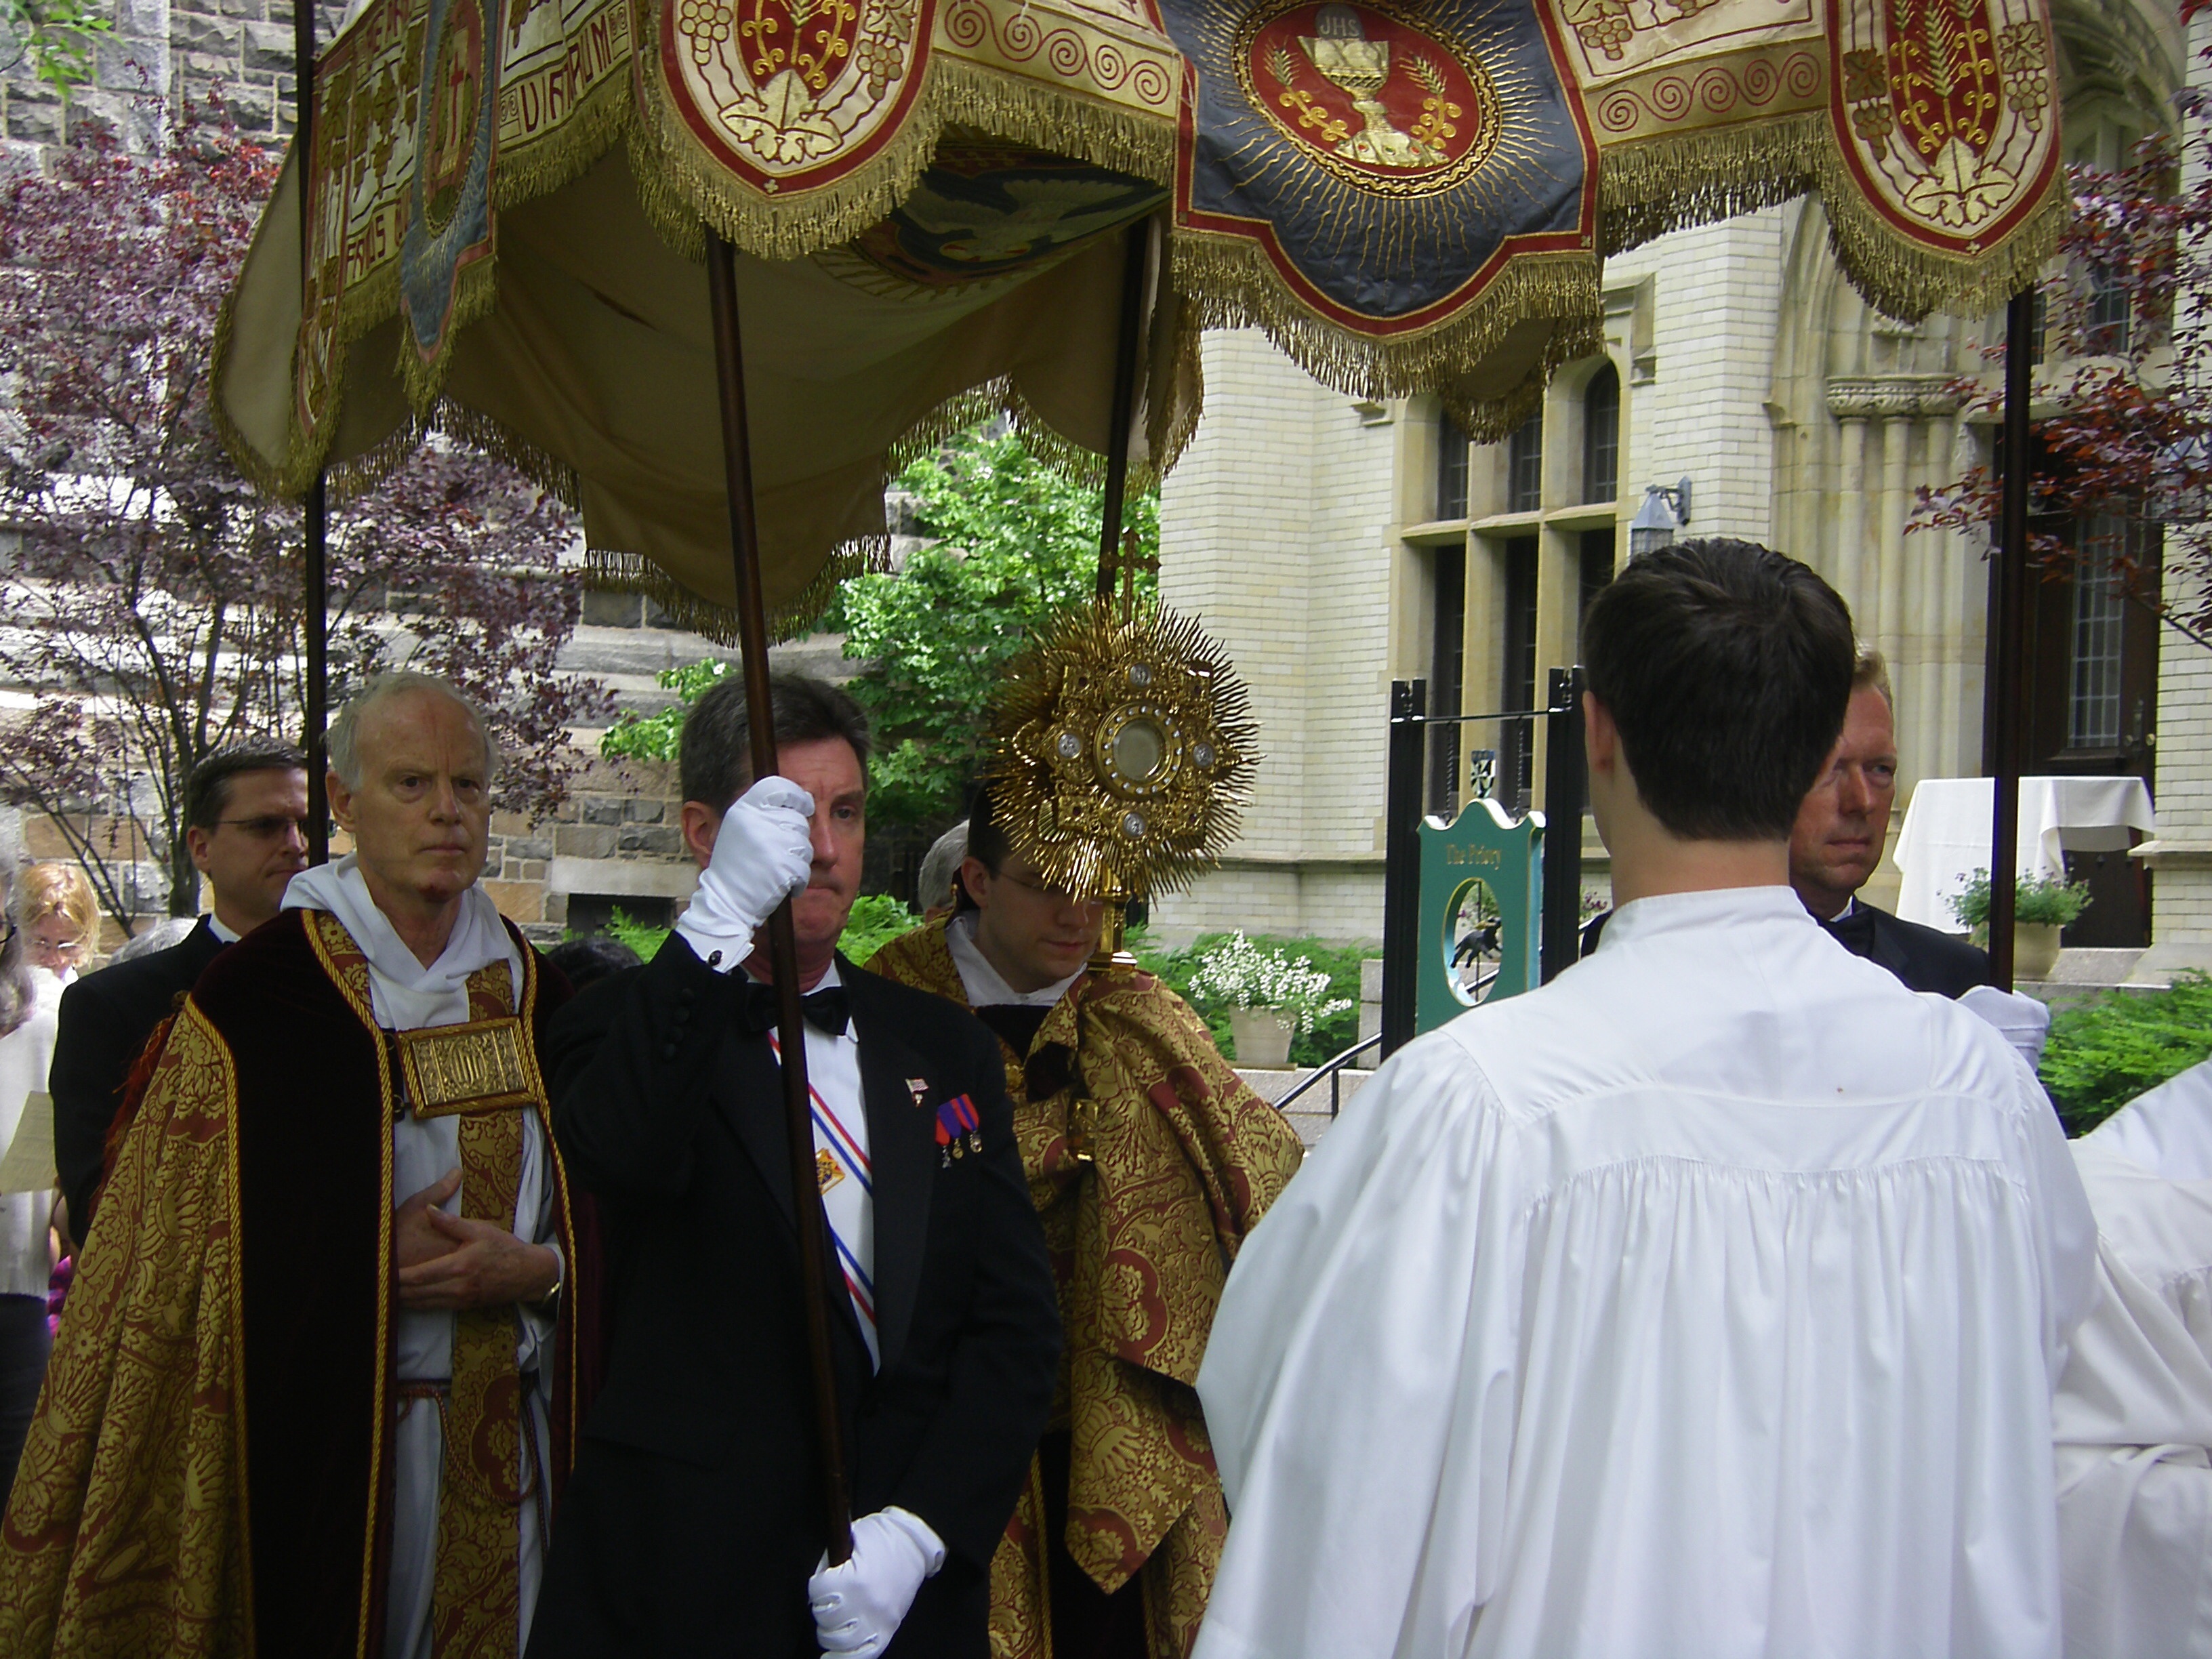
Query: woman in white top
(30, 1003)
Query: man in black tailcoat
(245, 825)
(694, 1523)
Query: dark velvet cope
(313, 1145)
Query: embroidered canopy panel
(505, 204)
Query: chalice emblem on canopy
(1343, 52)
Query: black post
(1129, 347)
(1565, 788)
(2007, 675)
(314, 630)
(1402, 864)
(783, 944)
(314, 620)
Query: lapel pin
(917, 1086)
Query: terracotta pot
(2034, 949)
(1261, 1039)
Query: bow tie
(1854, 932)
(827, 1010)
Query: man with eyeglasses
(1149, 1160)
(244, 817)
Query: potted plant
(2040, 907)
(1270, 997)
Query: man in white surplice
(1704, 1302)
(411, 770)
(2134, 1417)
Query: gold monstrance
(1122, 749)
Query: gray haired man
(339, 1203)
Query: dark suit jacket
(105, 1020)
(694, 1518)
(1923, 958)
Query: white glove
(857, 1606)
(2025, 1022)
(764, 853)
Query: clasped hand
(449, 1264)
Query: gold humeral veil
(1183, 1159)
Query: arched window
(1601, 436)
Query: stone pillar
(1855, 562)
(1897, 609)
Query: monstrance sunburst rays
(1121, 748)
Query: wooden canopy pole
(2008, 672)
(314, 620)
(782, 941)
(1129, 347)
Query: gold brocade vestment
(131, 1531)
(1185, 1159)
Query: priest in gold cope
(314, 1391)
(1149, 1161)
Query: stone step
(1309, 1115)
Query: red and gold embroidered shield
(793, 93)
(1943, 113)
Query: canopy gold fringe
(1174, 401)
(476, 293)
(558, 160)
(1908, 281)
(1231, 284)
(573, 150)
(1664, 185)
(682, 190)
(612, 571)
(957, 414)
(1493, 420)
(361, 311)
(1661, 185)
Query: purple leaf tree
(150, 602)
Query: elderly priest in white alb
(1706, 1303)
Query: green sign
(1482, 888)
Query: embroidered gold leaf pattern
(104, 1548)
(1186, 1159)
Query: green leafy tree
(55, 38)
(656, 737)
(1013, 542)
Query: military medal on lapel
(917, 1086)
(958, 1129)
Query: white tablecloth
(1945, 838)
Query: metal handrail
(1332, 1071)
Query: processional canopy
(506, 199)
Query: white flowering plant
(1235, 973)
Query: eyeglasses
(269, 827)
